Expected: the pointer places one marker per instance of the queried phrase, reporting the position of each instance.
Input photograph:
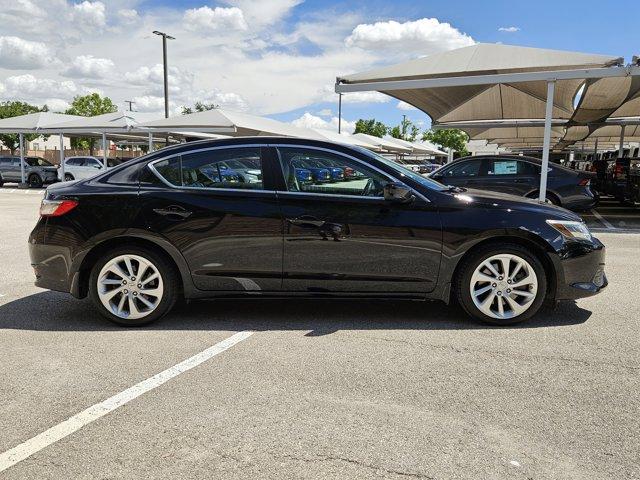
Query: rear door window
(470, 168)
(235, 168)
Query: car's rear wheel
(501, 284)
(35, 181)
(133, 286)
(68, 177)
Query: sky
(277, 58)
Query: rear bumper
(583, 201)
(580, 271)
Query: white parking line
(76, 422)
(603, 220)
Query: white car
(78, 168)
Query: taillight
(56, 208)
(584, 182)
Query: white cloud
(57, 104)
(149, 103)
(354, 97)
(87, 66)
(128, 16)
(20, 10)
(214, 20)
(405, 106)
(509, 29)
(423, 36)
(29, 88)
(308, 120)
(153, 78)
(264, 12)
(89, 15)
(19, 54)
(325, 112)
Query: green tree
(15, 109)
(89, 106)
(407, 130)
(448, 138)
(199, 107)
(371, 127)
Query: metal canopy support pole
(104, 150)
(150, 142)
(620, 150)
(339, 113)
(595, 150)
(62, 157)
(22, 172)
(546, 146)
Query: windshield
(404, 171)
(37, 162)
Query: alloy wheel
(504, 286)
(130, 286)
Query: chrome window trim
(153, 169)
(337, 195)
(373, 167)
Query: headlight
(572, 230)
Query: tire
(470, 277)
(165, 287)
(34, 180)
(68, 177)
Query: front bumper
(580, 270)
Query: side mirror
(398, 193)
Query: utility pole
(404, 127)
(165, 37)
(130, 102)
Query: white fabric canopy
(417, 148)
(33, 122)
(332, 136)
(108, 122)
(382, 143)
(231, 123)
(492, 101)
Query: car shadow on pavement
(52, 311)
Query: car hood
(506, 201)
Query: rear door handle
(173, 210)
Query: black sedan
(519, 175)
(138, 237)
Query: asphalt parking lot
(318, 389)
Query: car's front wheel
(68, 177)
(501, 284)
(133, 286)
(35, 181)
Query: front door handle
(173, 210)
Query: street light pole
(165, 37)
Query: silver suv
(37, 170)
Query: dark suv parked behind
(37, 170)
(519, 175)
